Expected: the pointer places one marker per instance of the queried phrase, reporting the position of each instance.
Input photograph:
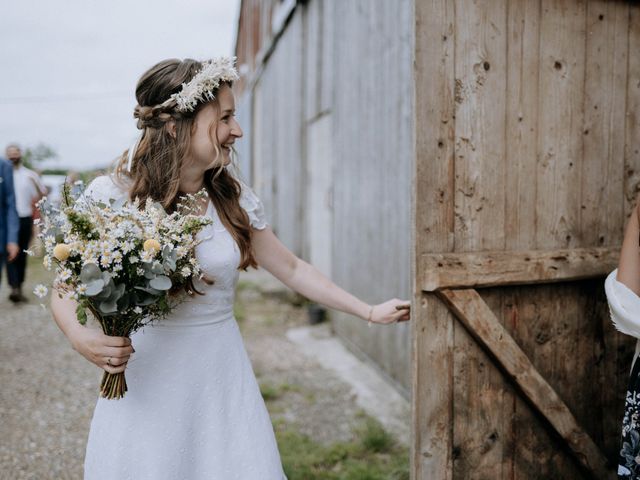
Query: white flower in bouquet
(40, 291)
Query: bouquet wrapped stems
(113, 385)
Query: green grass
(245, 285)
(269, 392)
(375, 438)
(272, 392)
(373, 455)
(239, 311)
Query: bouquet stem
(113, 385)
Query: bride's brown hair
(155, 171)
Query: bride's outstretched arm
(307, 280)
(629, 266)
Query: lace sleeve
(253, 206)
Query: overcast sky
(69, 69)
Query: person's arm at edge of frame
(629, 264)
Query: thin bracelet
(369, 317)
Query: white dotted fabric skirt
(193, 411)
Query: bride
(193, 409)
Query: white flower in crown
(201, 87)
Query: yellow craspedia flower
(61, 251)
(151, 245)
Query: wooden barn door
(527, 161)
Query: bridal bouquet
(121, 261)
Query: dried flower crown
(203, 85)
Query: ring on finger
(109, 362)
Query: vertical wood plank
(480, 65)
(521, 123)
(553, 329)
(561, 87)
(604, 107)
(480, 393)
(520, 200)
(632, 118)
(432, 211)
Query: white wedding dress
(193, 409)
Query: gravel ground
(49, 391)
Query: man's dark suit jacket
(9, 221)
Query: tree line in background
(34, 156)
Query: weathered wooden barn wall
(373, 145)
(527, 138)
(244, 106)
(332, 145)
(277, 156)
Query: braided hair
(155, 169)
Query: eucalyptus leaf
(90, 272)
(125, 301)
(169, 264)
(108, 306)
(94, 288)
(149, 275)
(106, 291)
(150, 290)
(117, 292)
(169, 257)
(157, 268)
(161, 282)
(144, 300)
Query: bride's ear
(170, 126)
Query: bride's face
(215, 125)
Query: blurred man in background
(28, 190)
